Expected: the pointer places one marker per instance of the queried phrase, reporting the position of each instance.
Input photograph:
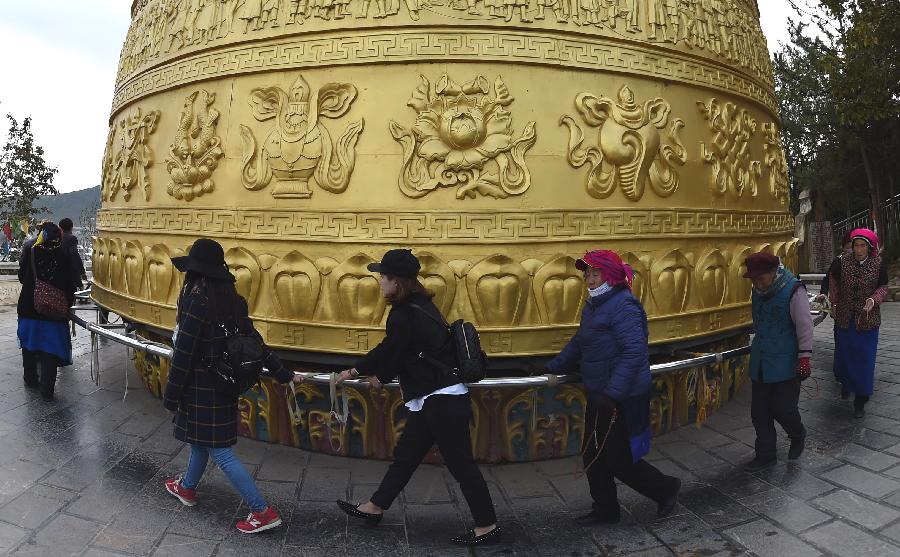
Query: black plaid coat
(203, 416)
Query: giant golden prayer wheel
(498, 139)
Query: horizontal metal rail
(136, 342)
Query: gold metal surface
(498, 140)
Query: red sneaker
(187, 497)
(257, 522)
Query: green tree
(24, 174)
(838, 87)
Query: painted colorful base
(509, 425)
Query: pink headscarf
(614, 270)
(867, 236)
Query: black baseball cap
(397, 262)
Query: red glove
(803, 369)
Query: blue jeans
(228, 462)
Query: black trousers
(775, 402)
(443, 420)
(615, 461)
(49, 366)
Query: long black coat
(53, 266)
(203, 416)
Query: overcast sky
(59, 64)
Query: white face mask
(602, 289)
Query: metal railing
(136, 342)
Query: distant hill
(69, 204)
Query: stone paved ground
(83, 476)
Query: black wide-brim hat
(207, 258)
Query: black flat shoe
(595, 518)
(796, 449)
(469, 538)
(667, 505)
(859, 412)
(371, 519)
(758, 464)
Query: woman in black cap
(206, 418)
(439, 405)
(44, 337)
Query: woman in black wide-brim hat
(206, 418)
(44, 339)
(438, 404)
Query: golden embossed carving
(247, 273)
(297, 285)
(502, 226)
(160, 273)
(196, 150)
(711, 278)
(300, 149)
(775, 162)
(133, 267)
(629, 152)
(733, 167)
(559, 291)
(498, 286)
(463, 138)
(127, 156)
(720, 28)
(670, 278)
(600, 54)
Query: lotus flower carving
(463, 138)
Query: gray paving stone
(210, 519)
(10, 536)
(520, 481)
(134, 530)
(687, 534)
(63, 536)
(324, 484)
(845, 540)
(627, 538)
(689, 455)
(867, 458)
(36, 505)
(796, 481)
(103, 499)
(714, 507)
(318, 525)
(767, 540)
(173, 545)
(892, 532)
(793, 514)
(857, 509)
(863, 481)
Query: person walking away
(44, 339)
(611, 348)
(779, 356)
(70, 247)
(861, 286)
(438, 404)
(206, 418)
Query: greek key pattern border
(439, 228)
(367, 48)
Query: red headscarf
(867, 236)
(614, 270)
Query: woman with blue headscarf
(44, 340)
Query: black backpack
(239, 364)
(470, 365)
